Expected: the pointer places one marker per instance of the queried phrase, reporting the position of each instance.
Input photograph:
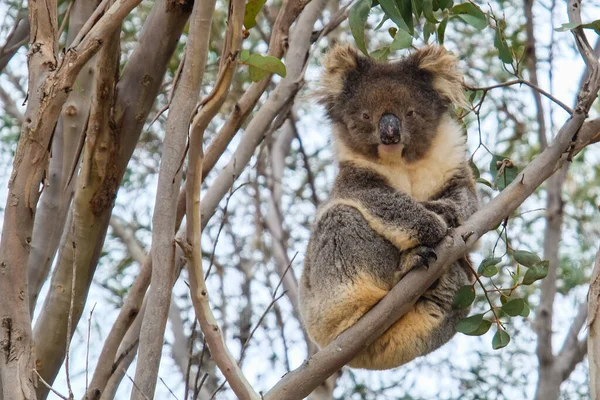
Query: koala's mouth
(391, 151)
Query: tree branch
(169, 179)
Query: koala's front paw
(417, 257)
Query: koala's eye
(366, 116)
(410, 113)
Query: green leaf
(405, 7)
(501, 339)
(390, 8)
(380, 24)
(257, 74)
(252, 9)
(501, 180)
(464, 297)
(474, 169)
(525, 312)
(567, 27)
(485, 182)
(266, 63)
(417, 6)
(536, 272)
(442, 4)
(441, 30)
(471, 14)
(593, 25)
(358, 20)
(428, 29)
(525, 258)
(428, 11)
(402, 40)
(483, 327)
(381, 54)
(469, 324)
(244, 55)
(503, 49)
(514, 307)
(488, 267)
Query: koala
(403, 181)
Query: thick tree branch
(169, 179)
(14, 42)
(136, 91)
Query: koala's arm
(456, 201)
(394, 215)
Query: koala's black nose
(389, 129)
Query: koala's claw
(417, 257)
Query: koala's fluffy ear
(337, 64)
(447, 79)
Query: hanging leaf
(381, 54)
(536, 272)
(474, 325)
(428, 11)
(260, 66)
(526, 258)
(474, 169)
(358, 20)
(525, 312)
(488, 267)
(428, 29)
(595, 25)
(503, 49)
(500, 340)
(464, 297)
(252, 9)
(442, 4)
(471, 14)
(380, 24)
(390, 8)
(405, 8)
(485, 182)
(417, 6)
(504, 172)
(514, 307)
(402, 40)
(441, 30)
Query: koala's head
(389, 111)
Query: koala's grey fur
(390, 204)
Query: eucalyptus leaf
(471, 14)
(358, 20)
(514, 307)
(464, 297)
(525, 258)
(501, 339)
(536, 272)
(402, 40)
(252, 9)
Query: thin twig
(87, 350)
(49, 387)
(135, 385)
(65, 19)
(524, 82)
(168, 388)
(190, 354)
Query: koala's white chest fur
(423, 178)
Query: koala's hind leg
(407, 339)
